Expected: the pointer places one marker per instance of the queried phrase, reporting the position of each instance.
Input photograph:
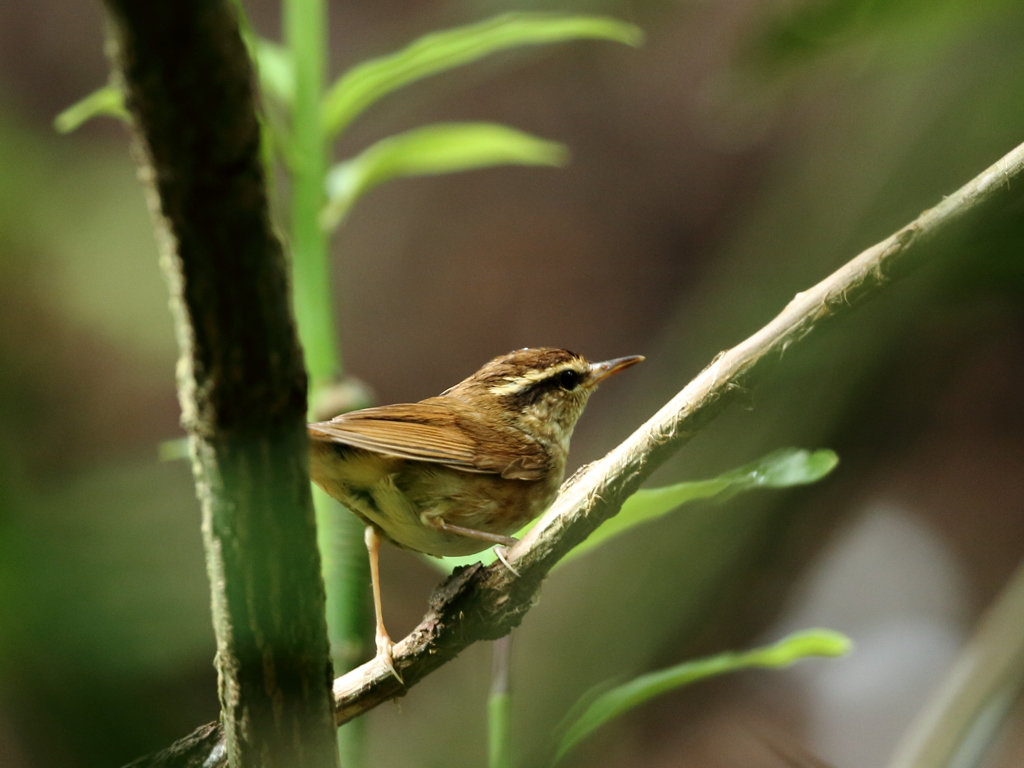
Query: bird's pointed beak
(601, 371)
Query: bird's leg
(384, 644)
(473, 533)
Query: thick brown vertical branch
(241, 379)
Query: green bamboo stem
(305, 25)
(346, 574)
(340, 536)
(499, 706)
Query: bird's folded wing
(432, 432)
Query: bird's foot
(385, 655)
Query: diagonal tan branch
(479, 603)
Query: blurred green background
(749, 148)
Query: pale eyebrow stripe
(520, 383)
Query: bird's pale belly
(403, 497)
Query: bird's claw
(502, 554)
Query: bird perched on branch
(460, 472)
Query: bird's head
(542, 390)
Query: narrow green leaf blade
(108, 100)
(431, 150)
(437, 52)
(780, 469)
(277, 70)
(783, 468)
(622, 698)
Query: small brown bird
(460, 472)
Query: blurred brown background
(749, 148)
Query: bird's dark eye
(568, 380)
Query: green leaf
(277, 70)
(622, 698)
(108, 100)
(780, 469)
(431, 150)
(438, 52)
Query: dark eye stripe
(567, 380)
